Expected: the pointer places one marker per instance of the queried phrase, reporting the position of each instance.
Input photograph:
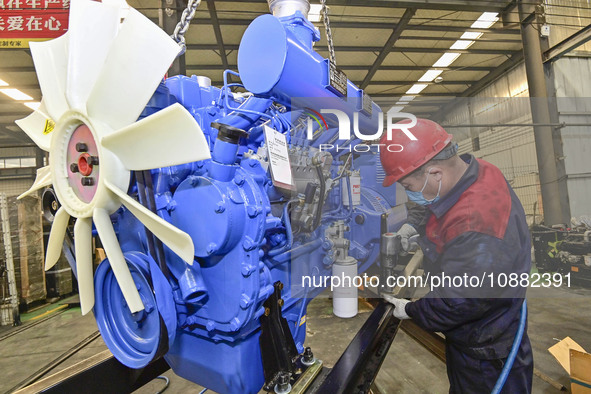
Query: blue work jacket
(476, 231)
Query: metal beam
(19, 136)
(18, 146)
(27, 111)
(417, 103)
(394, 95)
(374, 25)
(17, 173)
(218, 32)
(346, 48)
(493, 52)
(215, 67)
(17, 69)
(418, 68)
(412, 82)
(8, 100)
(29, 86)
(568, 44)
(389, 45)
(24, 112)
(453, 39)
(454, 5)
(514, 60)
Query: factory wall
(506, 100)
(511, 148)
(573, 92)
(565, 18)
(17, 169)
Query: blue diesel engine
(271, 214)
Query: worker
(474, 227)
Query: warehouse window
(18, 162)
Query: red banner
(22, 21)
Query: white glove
(399, 306)
(407, 232)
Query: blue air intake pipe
(276, 59)
(247, 113)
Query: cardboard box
(576, 362)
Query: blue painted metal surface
(239, 221)
(282, 47)
(134, 338)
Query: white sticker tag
(278, 157)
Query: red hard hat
(431, 139)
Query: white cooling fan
(96, 79)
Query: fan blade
(92, 29)
(103, 224)
(178, 241)
(50, 58)
(42, 180)
(135, 65)
(56, 238)
(167, 138)
(83, 246)
(38, 127)
(121, 4)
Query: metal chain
(328, 31)
(183, 25)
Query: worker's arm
(417, 216)
(446, 306)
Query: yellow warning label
(303, 320)
(49, 126)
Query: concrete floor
(408, 368)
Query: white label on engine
(278, 157)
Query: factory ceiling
(432, 51)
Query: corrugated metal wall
(512, 149)
(565, 18)
(573, 91)
(13, 181)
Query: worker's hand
(408, 236)
(399, 306)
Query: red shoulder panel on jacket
(484, 207)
